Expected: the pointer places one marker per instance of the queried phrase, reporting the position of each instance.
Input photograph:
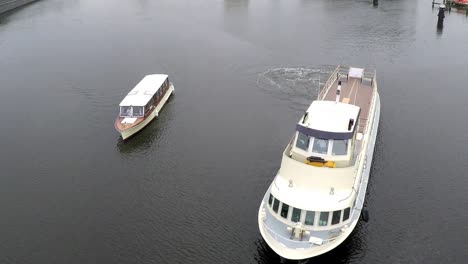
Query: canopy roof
(329, 120)
(144, 90)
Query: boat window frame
(297, 140)
(292, 214)
(277, 206)
(327, 220)
(313, 218)
(130, 110)
(349, 214)
(287, 210)
(333, 217)
(333, 145)
(320, 153)
(142, 112)
(270, 200)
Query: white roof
(330, 116)
(144, 90)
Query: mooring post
(441, 16)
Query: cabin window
(138, 111)
(323, 218)
(125, 111)
(309, 219)
(340, 147)
(296, 215)
(302, 141)
(336, 217)
(270, 199)
(284, 210)
(320, 146)
(346, 213)
(276, 205)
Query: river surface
(188, 187)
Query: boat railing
(342, 73)
(369, 76)
(329, 83)
(300, 243)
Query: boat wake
(297, 85)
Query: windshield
(340, 147)
(125, 111)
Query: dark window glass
(270, 199)
(275, 205)
(346, 213)
(336, 217)
(138, 111)
(309, 219)
(296, 215)
(125, 111)
(323, 219)
(302, 141)
(340, 147)
(284, 210)
(320, 146)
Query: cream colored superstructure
(323, 191)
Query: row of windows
(131, 111)
(139, 111)
(322, 146)
(307, 217)
(157, 96)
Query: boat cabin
(326, 133)
(145, 96)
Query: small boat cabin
(146, 95)
(326, 133)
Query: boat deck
(356, 91)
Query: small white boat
(142, 104)
(316, 198)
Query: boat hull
(313, 251)
(128, 132)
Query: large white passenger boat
(316, 198)
(143, 103)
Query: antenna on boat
(350, 124)
(338, 92)
(305, 117)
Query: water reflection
(236, 6)
(440, 20)
(386, 29)
(233, 10)
(440, 28)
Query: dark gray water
(187, 189)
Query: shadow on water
(149, 136)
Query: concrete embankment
(7, 5)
